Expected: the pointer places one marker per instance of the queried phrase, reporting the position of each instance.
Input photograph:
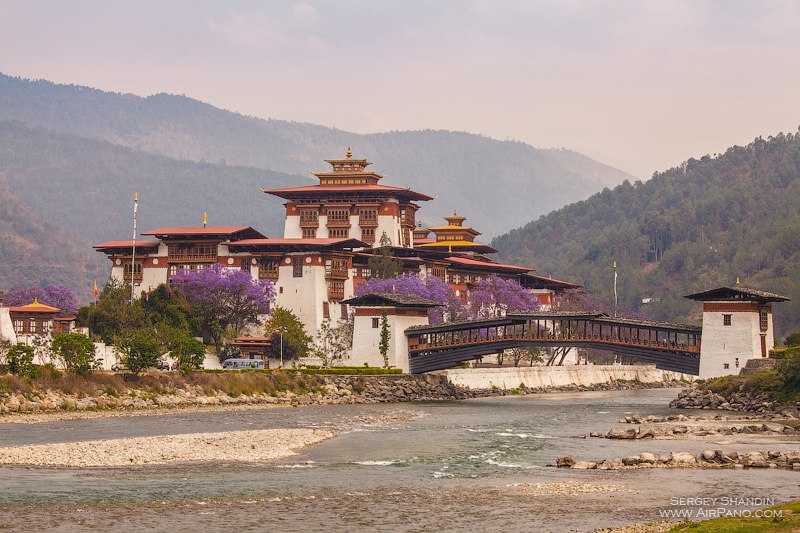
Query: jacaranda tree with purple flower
(495, 296)
(224, 299)
(429, 287)
(53, 295)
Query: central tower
(349, 202)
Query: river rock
(584, 465)
(647, 458)
(630, 460)
(566, 461)
(683, 458)
(621, 434)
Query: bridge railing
(464, 338)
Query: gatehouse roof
(737, 294)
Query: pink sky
(641, 85)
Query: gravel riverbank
(231, 446)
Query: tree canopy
(225, 300)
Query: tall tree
(332, 344)
(287, 333)
(452, 307)
(58, 296)
(382, 265)
(224, 299)
(495, 296)
(383, 345)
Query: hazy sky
(641, 85)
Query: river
(477, 465)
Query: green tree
(75, 352)
(331, 345)
(383, 345)
(20, 360)
(189, 351)
(138, 349)
(5, 346)
(382, 265)
(113, 312)
(792, 340)
(286, 331)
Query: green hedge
(350, 371)
(783, 353)
(334, 371)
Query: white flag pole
(133, 253)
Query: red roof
(486, 264)
(552, 281)
(149, 243)
(298, 243)
(384, 190)
(208, 230)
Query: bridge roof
(578, 315)
(460, 324)
(737, 293)
(650, 324)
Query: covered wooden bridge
(671, 347)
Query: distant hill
(693, 227)
(60, 194)
(36, 252)
(87, 186)
(496, 184)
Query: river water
(479, 465)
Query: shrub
(20, 361)
(139, 349)
(75, 351)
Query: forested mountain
(60, 194)
(478, 176)
(87, 186)
(36, 252)
(693, 227)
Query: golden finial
(737, 281)
(615, 264)
(205, 219)
(349, 153)
(136, 197)
(36, 299)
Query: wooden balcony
(336, 273)
(335, 292)
(271, 275)
(309, 222)
(137, 278)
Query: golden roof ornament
(737, 281)
(349, 154)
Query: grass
(790, 521)
(234, 384)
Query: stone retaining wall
(535, 377)
(333, 390)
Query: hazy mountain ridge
(34, 251)
(693, 227)
(477, 175)
(87, 185)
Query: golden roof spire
(349, 153)
(205, 219)
(737, 281)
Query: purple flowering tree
(224, 299)
(494, 297)
(52, 295)
(429, 287)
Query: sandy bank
(239, 446)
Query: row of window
(30, 326)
